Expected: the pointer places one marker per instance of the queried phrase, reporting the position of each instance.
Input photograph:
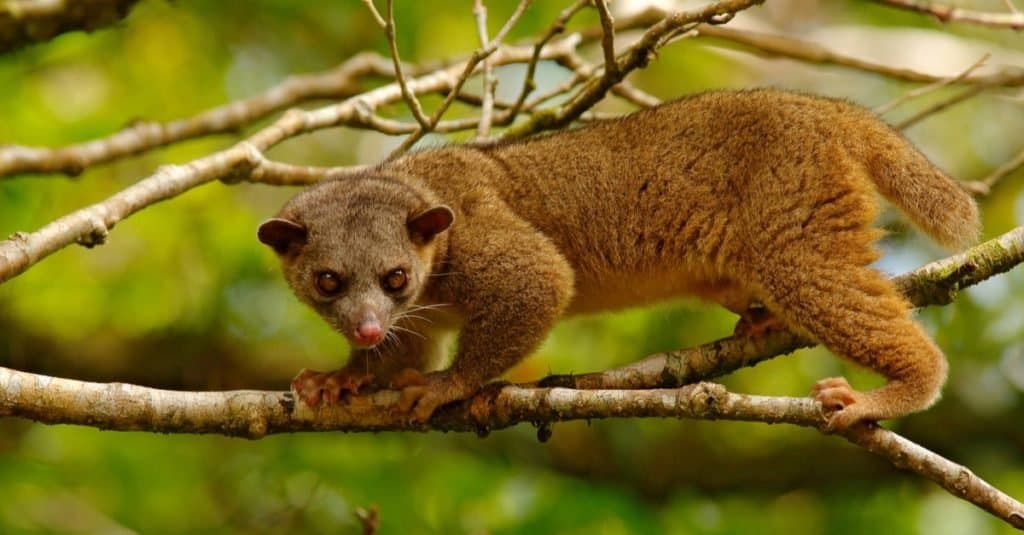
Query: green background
(183, 296)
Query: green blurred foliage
(183, 296)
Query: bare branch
(284, 174)
(23, 22)
(631, 93)
(611, 67)
(375, 13)
(340, 82)
(985, 185)
(779, 46)
(410, 99)
(584, 71)
(963, 95)
(556, 27)
(255, 414)
(930, 88)
(471, 65)
(90, 225)
(956, 479)
(483, 130)
(636, 56)
(1013, 20)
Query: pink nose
(369, 333)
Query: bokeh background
(184, 297)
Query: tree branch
(1013, 20)
(611, 67)
(556, 27)
(470, 67)
(90, 225)
(769, 45)
(614, 393)
(340, 82)
(24, 22)
(985, 185)
(963, 95)
(636, 56)
(934, 86)
(389, 31)
(483, 130)
(255, 414)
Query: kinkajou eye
(395, 280)
(329, 284)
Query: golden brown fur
(756, 197)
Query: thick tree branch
(23, 22)
(254, 414)
(633, 391)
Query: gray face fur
(358, 252)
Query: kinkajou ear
(424, 225)
(281, 234)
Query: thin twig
(340, 82)
(556, 27)
(611, 66)
(376, 14)
(763, 44)
(410, 99)
(636, 56)
(90, 225)
(471, 64)
(631, 93)
(935, 86)
(285, 174)
(984, 186)
(1013, 20)
(489, 85)
(963, 95)
(584, 71)
(1004, 170)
